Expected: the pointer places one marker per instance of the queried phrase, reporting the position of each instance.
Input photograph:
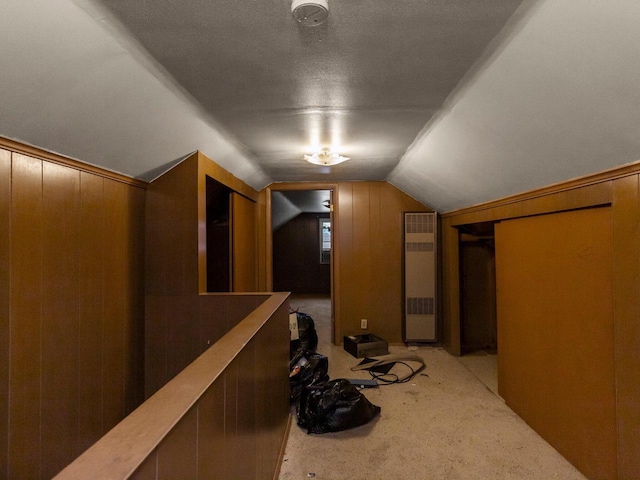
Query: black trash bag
(307, 336)
(305, 369)
(333, 406)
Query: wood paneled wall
(618, 188)
(296, 257)
(71, 309)
(555, 332)
(181, 320)
(369, 235)
(367, 255)
(224, 416)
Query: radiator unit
(420, 243)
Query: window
(325, 240)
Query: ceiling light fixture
(325, 157)
(310, 12)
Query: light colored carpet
(484, 366)
(445, 424)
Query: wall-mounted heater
(420, 243)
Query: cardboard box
(369, 345)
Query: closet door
(555, 332)
(243, 238)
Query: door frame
(335, 255)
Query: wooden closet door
(243, 241)
(555, 332)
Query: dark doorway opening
(218, 236)
(478, 288)
(301, 222)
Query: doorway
(302, 247)
(478, 317)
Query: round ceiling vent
(310, 12)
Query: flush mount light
(325, 157)
(310, 12)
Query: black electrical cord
(391, 378)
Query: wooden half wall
(179, 312)
(618, 189)
(224, 416)
(71, 307)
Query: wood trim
(282, 186)
(283, 447)
(591, 179)
(593, 195)
(243, 244)
(39, 153)
(450, 295)
(626, 305)
(206, 166)
(268, 242)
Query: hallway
(443, 424)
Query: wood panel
(543, 201)
(91, 247)
(386, 260)
(296, 257)
(450, 288)
(149, 468)
(62, 300)
(5, 305)
(244, 254)
(203, 423)
(113, 343)
(211, 431)
(619, 187)
(25, 330)
(134, 300)
(269, 387)
(626, 277)
(345, 307)
(555, 328)
(246, 411)
(171, 270)
(263, 211)
(60, 317)
(183, 333)
(212, 320)
(233, 454)
(32, 151)
(361, 283)
(369, 237)
(178, 452)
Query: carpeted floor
(444, 424)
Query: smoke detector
(310, 12)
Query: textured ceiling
(367, 80)
(455, 102)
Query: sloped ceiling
(455, 102)
(558, 100)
